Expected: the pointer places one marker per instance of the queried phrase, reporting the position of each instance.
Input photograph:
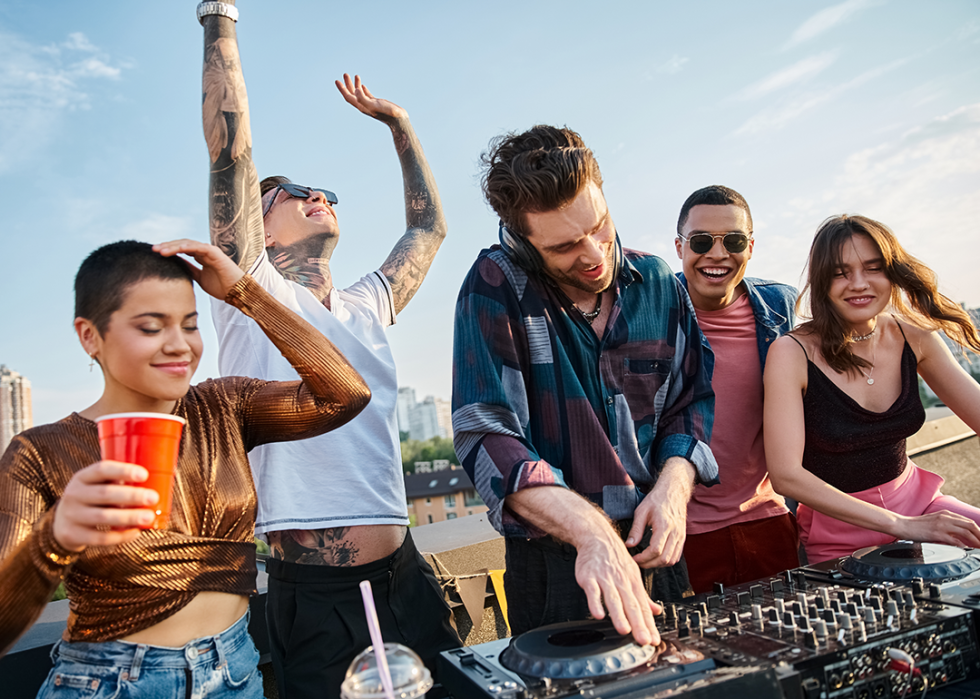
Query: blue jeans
(224, 665)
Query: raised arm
(409, 261)
(235, 209)
(938, 367)
(785, 381)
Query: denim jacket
(772, 303)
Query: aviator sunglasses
(299, 192)
(702, 242)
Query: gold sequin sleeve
(280, 410)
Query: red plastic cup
(150, 440)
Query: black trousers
(317, 623)
(540, 582)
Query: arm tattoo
(235, 204)
(412, 255)
(314, 546)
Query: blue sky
(808, 109)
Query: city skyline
(807, 109)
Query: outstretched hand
(358, 96)
(942, 527)
(217, 273)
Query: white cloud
(157, 228)
(923, 185)
(38, 85)
(778, 116)
(674, 65)
(791, 75)
(827, 19)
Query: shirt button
(610, 400)
(191, 653)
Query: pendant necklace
(874, 357)
(592, 315)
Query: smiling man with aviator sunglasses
(333, 511)
(740, 529)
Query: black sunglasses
(702, 242)
(300, 192)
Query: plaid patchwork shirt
(539, 399)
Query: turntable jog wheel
(575, 650)
(902, 561)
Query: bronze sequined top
(115, 591)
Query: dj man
(581, 404)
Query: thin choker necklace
(594, 313)
(862, 338)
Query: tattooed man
(333, 510)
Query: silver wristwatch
(216, 8)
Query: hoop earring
(91, 362)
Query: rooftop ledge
(464, 552)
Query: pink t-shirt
(744, 494)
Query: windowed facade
(450, 500)
(450, 515)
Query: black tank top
(852, 448)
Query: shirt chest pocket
(646, 382)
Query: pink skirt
(915, 492)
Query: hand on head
(217, 273)
(607, 574)
(98, 509)
(358, 96)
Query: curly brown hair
(542, 169)
(914, 291)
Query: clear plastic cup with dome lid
(410, 679)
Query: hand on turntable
(607, 574)
(664, 510)
(943, 527)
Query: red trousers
(742, 552)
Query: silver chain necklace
(874, 359)
(593, 314)
(862, 338)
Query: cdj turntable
(886, 623)
(590, 659)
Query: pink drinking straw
(379, 645)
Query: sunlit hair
(542, 169)
(914, 292)
(108, 272)
(715, 195)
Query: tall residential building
(423, 421)
(403, 408)
(15, 405)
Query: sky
(809, 109)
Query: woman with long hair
(157, 612)
(841, 396)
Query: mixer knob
(743, 600)
(812, 611)
(773, 616)
(804, 623)
(820, 626)
(892, 608)
(852, 609)
(695, 619)
(835, 606)
(935, 592)
(733, 620)
(909, 599)
(788, 619)
(844, 620)
(719, 589)
(757, 612)
(917, 586)
(869, 615)
(810, 641)
(757, 591)
(703, 608)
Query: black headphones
(527, 257)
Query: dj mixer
(886, 623)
